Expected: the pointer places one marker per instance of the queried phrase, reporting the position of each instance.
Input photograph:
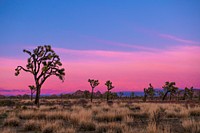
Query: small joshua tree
(188, 93)
(93, 84)
(109, 87)
(149, 91)
(33, 90)
(42, 63)
(169, 87)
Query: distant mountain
(128, 93)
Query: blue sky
(74, 24)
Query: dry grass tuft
(87, 126)
(52, 127)
(8, 130)
(32, 125)
(194, 111)
(192, 126)
(11, 121)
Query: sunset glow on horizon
(128, 49)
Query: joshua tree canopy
(149, 92)
(109, 87)
(169, 87)
(42, 63)
(93, 84)
(189, 92)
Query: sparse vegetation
(122, 117)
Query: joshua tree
(93, 84)
(188, 93)
(109, 87)
(169, 88)
(42, 63)
(33, 90)
(149, 91)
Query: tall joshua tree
(169, 87)
(93, 84)
(42, 63)
(109, 87)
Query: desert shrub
(87, 126)
(82, 101)
(194, 111)
(108, 117)
(152, 128)
(191, 126)
(24, 107)
(3, 115)
(111, 127)
(139, 115)
(52, 126)
(135, 108)
(66, 130)
(7, 102)
(8, 130)
(173, 114)
(26, 114)
(32, 125)
(12, 121)
(57, 115)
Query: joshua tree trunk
(165, 95)
(145, 97)
(92, 94)
(108, 95)
(37, 98)
(31, 95)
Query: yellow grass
(121, 117)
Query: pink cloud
(127, 70)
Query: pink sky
(129, 71)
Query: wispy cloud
(132, 46)
(175, 38)
(154, 33)
(125, 45)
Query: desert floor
(82, 116)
